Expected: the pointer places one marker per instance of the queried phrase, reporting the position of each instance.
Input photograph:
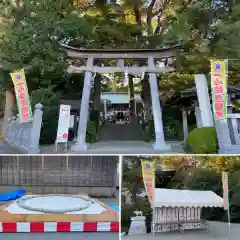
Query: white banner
(63, 123)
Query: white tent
(175, 209)
(186, 198)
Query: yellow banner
(21, 91)
(148, 173)
(18, 77)
(219, 71)
(219, 66)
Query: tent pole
(153, 199)
(229, 223)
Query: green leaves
(26, 41)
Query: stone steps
(120, 132)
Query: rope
(23, 204)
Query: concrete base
(79, 146)
(137, 226)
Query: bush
(95, 117)
(91, 133)
(203, 140)
(51, 102)
(49, 125)
(173, 130)
(148, 131)
(127, 211)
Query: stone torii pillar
(160, 144)
(81, 144)
(185, 123)
(204, 100)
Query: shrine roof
(120, 50)
(188, 92)
(117, 53)
(188, 96)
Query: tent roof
(186, 198)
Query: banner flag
(63, 123)
(219, 72)
(21, 91)
(148, 173)
(225, 190)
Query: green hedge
(127, 212)
(95, 117)
(91, 133)
(49, 126)
(202, 140)
(50, 100)
(148, 131)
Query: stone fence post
(138, 225)
(36, 129)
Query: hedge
(202, 140)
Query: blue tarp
(115, 208)
(13, 195)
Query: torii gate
(120, 55)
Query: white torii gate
(120, 55)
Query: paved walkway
(119, 147)
(107, 147)
(7, 149)
(217, 230)
(60, 236)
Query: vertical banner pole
(153, 196)
(148, 173)
(22, 96)
(219, 74)
(226, 199)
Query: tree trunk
(95, 113)
(134, 194)
(8, 111)
(132, 95)
(97, 92)
(146, 97)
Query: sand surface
(55, 203)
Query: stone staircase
(120, 132)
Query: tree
(221, 163)
(225, 44)
(26, 43)
(132, 176)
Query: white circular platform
(55, 203)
